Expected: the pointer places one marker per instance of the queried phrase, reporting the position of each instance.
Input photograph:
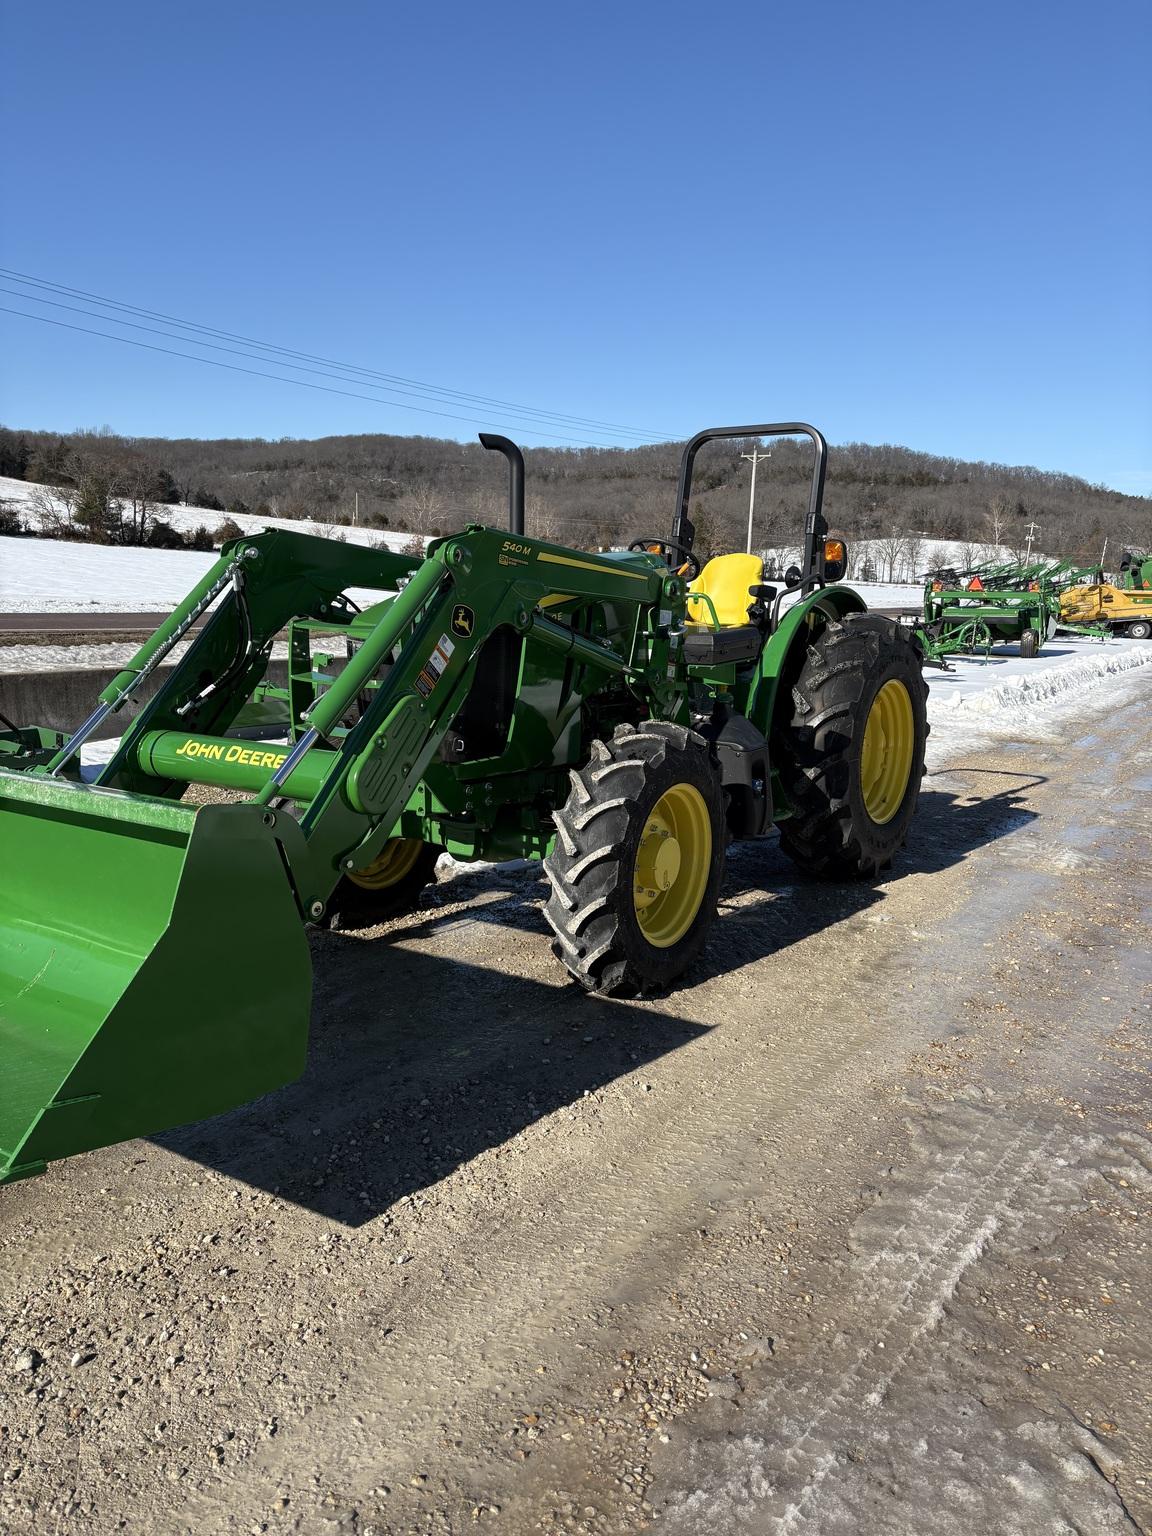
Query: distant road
(80, 623)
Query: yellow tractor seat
(727, 581)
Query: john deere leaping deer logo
(463, 620)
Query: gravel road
(849, 1234)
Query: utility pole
(753, 458)
(1033, 529)
(356, 509)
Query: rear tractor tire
(636, 866)
(386, 888)
(852, 756)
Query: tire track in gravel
(778, 1483)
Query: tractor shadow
(768, 903)
(425, 1055)
(421, 1060)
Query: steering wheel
(667, 548)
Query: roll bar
(815, 527)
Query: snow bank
(1049, 697)
(1069, 668)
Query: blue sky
(917, 223)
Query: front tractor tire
(388, 887)
(635, 869)
(852, 755)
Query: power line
(233, 351)
(279, 378)
(439, 392)
(435, 390)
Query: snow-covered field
(54, 576)
(905, 559)
(50, 576)
(889, 594)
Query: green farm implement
(998, 603)
(619, 716)
(971, 619)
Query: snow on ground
(907, 556)
(889, 594)
(979, 702)
(49, 576)
(84, 658)
(54, 576)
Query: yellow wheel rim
(886, 757)
(672, 866)
(396, 859)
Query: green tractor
(619, 716)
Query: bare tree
(891, 552)
(136, 508)
(332, 531)
(996, 518)
(50, 513)
(423, 503)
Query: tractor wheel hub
(657, 863)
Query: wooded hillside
(583, 496)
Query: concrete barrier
(61, 700)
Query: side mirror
(835, 559)
(792, 577)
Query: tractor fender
(783, 655)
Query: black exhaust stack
(515, 458)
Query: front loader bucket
(153, 966)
